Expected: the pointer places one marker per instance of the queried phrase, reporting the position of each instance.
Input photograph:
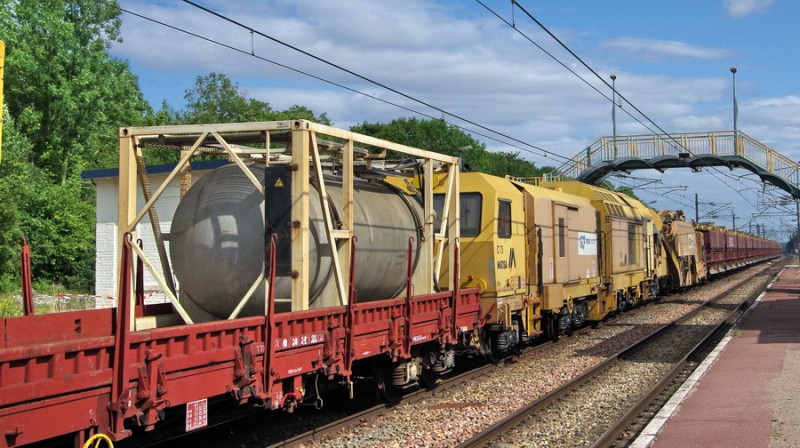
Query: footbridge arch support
(694, 150)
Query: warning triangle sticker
(279, 183)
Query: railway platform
(746, 394)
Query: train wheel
(654, 289)
(387, 391)
(551, 327)
(579, 315)
(431, 366)
(522, 336)
(517, 348)
(428, 379)
(490, 348)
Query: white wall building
(107, 247)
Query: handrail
(725, 144)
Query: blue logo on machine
(587, 243)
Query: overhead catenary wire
(623, 98)
(512, 24)
(541, 150)
(515, 3)
(593, 71)
(251, 53)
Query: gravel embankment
(453, 416)
(584, 415)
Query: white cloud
(774, 121)
(472, 67)
(694, 122)
(664, 49)
(785, 101)
(741, 8)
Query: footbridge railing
(733, 149)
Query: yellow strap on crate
(96, 440)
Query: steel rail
(683, 367)
(501, 427)
(317, 434)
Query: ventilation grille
(615, 210)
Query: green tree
(509, 163)
(302, 113)
(443, 138)
(166, 115)
(15, 176)
(431, 135)
(66, 99)
(216, 99)
(67, 95)
(56, 218)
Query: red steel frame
(91, 371)
(27, 284)
(84, 372)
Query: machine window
(504, 219)
(438, 209)
(632, 244)
(470, 213)
(562, 238)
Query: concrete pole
(696, 209)
(797, 239)
(614, 112)
(735, 105)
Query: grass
(11, 306)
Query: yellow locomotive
(633, 259)
(534, 254)
(550, 257)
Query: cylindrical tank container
(217, 241)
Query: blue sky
(671, 59)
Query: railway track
(609, 404)
(320, 433)
(455, 416)
(244, 431)
(326, 428)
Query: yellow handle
(96, 439)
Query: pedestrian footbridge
(695, 150)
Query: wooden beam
(301, 219)
(372, 141)
(328, 222)
(238, 161)
(175, 171)
(427, 260)
(126, 205)
(171, 297)
(249, 294)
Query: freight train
(550, 257)
(309, 263)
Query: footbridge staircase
(695, 150)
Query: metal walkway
(732, 149)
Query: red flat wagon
(116, 371)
